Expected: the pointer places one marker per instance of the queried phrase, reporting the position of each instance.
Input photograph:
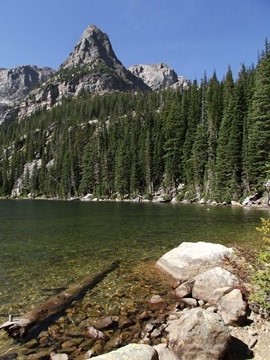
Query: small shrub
(261, 277)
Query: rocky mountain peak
(93, 45)
(92, 67)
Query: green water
(46, 245)
(49, 244)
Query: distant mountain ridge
(16, 83)
(91, 67)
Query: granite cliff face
(15, 85)
(159, 76)
(92, 67)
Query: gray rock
(190, 259)
(28, 170)
(235, 203)
(158, 76)
(131, 352)
(189, 302)
(155, 333)
(200, 303)
(232, 308)
(184, 289)
(94, 333)
(15, 85)
(197, 335)
(156, 302)
(104, 322)
(54, 356)
(164, 353)
(212, 284)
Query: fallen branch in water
(34, 321)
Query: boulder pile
(209, 301)
(203, 315)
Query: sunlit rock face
(159, 76)
(92, 67)
(15, 85)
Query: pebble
(149, 327)
(155, 333)
(125, 322)
(145, 341)
(200, 303)
(211, 309)
(9, 356)
(54, 356)
(32, 344)
(41, 355)
(189, 302)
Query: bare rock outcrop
(15, 85)
(158, 76)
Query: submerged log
(43, 315)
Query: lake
(46, 245)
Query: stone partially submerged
(190, 259)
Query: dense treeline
(211, 140)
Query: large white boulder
(190, 259)
(131, 352)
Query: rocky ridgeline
(15, 85)
(159, 76)
(92, 67)
(206, 315)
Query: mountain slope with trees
(211, 140)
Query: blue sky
(192, 36)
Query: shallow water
(46, 245)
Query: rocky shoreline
(196, 308)
(255, 201)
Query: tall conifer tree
(259, 124)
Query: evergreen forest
(210, 140)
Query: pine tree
(213, 108)
(200, 146)
(259, 125)
(175, 117)
(193, 118)
(224, 168)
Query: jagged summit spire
(90, 29)
(93, 45)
